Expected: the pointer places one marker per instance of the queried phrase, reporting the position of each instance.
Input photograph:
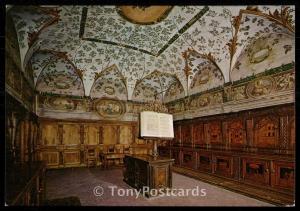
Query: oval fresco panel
(110, 108)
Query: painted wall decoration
(155, 85)
(60, 77)
(258, 22)
(110, 108)
(29, 20)
(202, 71)
(59, 103)
(263, 53)
(109, 83)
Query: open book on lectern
(154, 124)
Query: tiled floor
(88, 184)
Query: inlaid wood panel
(236, 132)
(71, 134)
(188, 159)
(285, 175)
(125, 134)
(175, 153)
(204, 161)
(177, 135)
(213, 132)
(71, 158)
(186, 134)
(161, 176)
(256, 170)
(198, 134)
(266, 132)
(223, 165)
(49, 134)
(51, 158)
(109, 134)
(292, 133)
(91, 134)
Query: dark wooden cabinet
(25, 184)
(142, 171)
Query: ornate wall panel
(236, 132)
(126, 136)
(49, 133)
(266, 132)
(213, 132)
(65, 143)
(110, 134)
(198, 134)
(186, 134)
(252, 151)
(71, 134)
(92, 134)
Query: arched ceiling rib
(97, 37)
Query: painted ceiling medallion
(109, 90)
(61, 84)
(260, 55)
(144, 14)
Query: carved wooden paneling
(236, 133)
(266, 132)
(125, 134)
(91, 134)
(49, 133)
(71, 134)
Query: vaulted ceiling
(141, 53)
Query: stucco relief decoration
(239, 93)
(176, 107)
(110, 108)
(285, 81)
(261, 86)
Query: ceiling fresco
(155, 86)
(109, 83)
(234, 41)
